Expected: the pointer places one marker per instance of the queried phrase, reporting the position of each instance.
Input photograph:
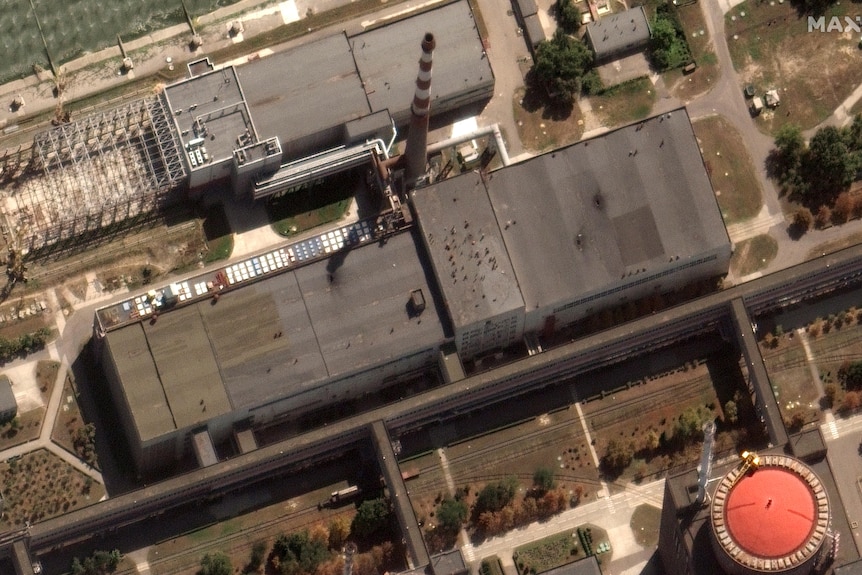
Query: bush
(568, 16)
(802, 220)
(495, 496)
(371, 517)
(215, 564)
(618, 455)
(543, 479)
(451, 514)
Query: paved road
(504, 48)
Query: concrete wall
(488, 334)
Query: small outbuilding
(773, 100)
(8, 405)
(619, 35)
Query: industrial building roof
(586, 566)
(311, 88)
(582, 218)
(159, 397)
(269, 338)
(619, 32)
(216, 102)
(7, 396)
(361, 318)
(466, 246)
(387, 59)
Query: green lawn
(624, 103)
(548, 553)
(730, 169)
(686, 87)
(645, 524)
(324, 201)
(814, 72)
(753, 254)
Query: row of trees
(318, 549)
(23, 345)
(497, 508)
(816, 173)
(686, 429)
(99, 563)
(668, 46)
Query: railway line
(709, 313)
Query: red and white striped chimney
(417, 136)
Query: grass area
(548, 553)
(790, 375)
(324, 201)
(624, 103)
(28, 427)
(753, 254)
(69, 420)
(814, 72)
(540, 128)
(688, 86)
(730, 169)
(40, 485)
(834, 245)
(645, 524)
(219, 236)
(491, 566)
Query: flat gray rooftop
(627, 202)
(361, 317)
(272, 338)
(216, 99)
(388, 59)
(618, 32)
(466, 246)
(304, 90)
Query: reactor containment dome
(770, 515)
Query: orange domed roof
(771, 512)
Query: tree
(689, 424)
(258, 555)
(568, 16)
(830, 394)
(339, 529)
(851, 401)
(451, 514)
(731, 412)
(668, 48)
(829, 166)
(823, 217)
(850, 374)
(371, 517)
(99, 563)
(843, 208)
(543, 479)
(299, 552)
(786, 159)
(215, 564)
(494, 496)
(802, 220)
(560, 64)
(618, 455)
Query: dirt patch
(539, 128)
(753, 254)
(689, 86)
(813, 72)
(40, 485)
(730, 169)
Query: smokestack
(417, 136)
